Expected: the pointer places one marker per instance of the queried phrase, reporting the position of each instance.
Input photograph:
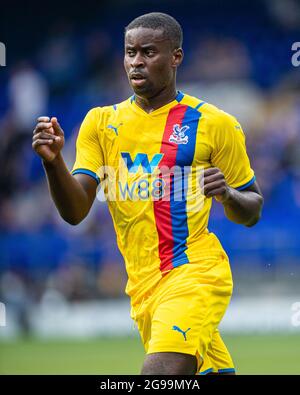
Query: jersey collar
(177, 99)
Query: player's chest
(155, 142)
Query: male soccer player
(179, 278)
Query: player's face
(150, 61)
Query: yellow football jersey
(150, 166)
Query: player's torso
(153, 224)
(174, 135)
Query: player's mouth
(137, 79)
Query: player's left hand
(215, 185)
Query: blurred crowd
(245, 70)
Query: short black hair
(158, 20)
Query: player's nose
(137, 61)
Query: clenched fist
(215, 185)
(48, 138)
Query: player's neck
(161, 99)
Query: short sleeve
(89, 155)
(229, 153)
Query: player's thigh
(217, 359)
(169, 363)
(185, 319)
(184, 312)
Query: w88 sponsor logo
(143, 189)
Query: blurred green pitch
(255, 354)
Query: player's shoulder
(209, 111)
(102, 112)
(112, 108)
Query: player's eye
(150, 52)
(130, 52)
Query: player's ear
(177, 57)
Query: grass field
(256, 354)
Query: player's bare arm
(242, 207)
(72, 195)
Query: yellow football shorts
(184, 310)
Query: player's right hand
(48, 138)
